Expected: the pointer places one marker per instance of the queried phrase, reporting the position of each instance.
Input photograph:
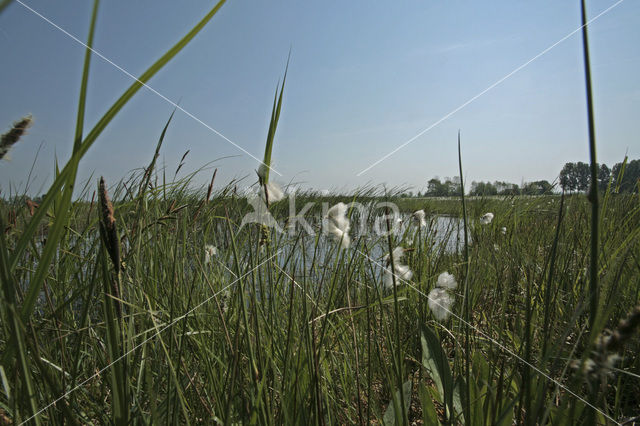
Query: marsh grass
(295, 329)
(308, 335)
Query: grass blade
(593, 190)
(69, 169)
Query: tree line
(624, 176)
(451, 187)
(538, 187)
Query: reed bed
(149, 301)
(300, 330)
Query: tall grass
(114, 312)
(278, 345)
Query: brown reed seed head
(607, 346)
(107, 208)
(32, 206)
(12, 136)
(264, 235)
(108, 225)
(624, 331)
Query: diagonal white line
(128, 74)
(495, 342)
(445, 117)
(84, 382)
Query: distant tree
(491, 189)
(616, 173)
(583, 176)
(501, 186)
(483, 189)
(634, 176)
(627, 176)
(568, 179)
(529, 189)
(513, 189)
(544, 187)
(575, 177)
(604, 174)
(538, 187)
(452, 186)
(435, 188)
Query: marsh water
(309, 253)
(442, 233)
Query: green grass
(304, 333)
(128, 323)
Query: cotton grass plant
(117, 309)
(312, 307)
(338, 224)
(400, 272)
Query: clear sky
(364, 77)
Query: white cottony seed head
(397, 253)
(209, 252)
(419, 218)
(446, 280)
(402, 273)
(274, 192)
(338, 224)
(486, 218)
(440, 303)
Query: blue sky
(364, 78)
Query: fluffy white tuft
(440, 303)
(209, 252)
(419, 218)
(446, 280)
(274, 192)
(402, 272)
(397, 253)
(486, 218)
(338, 224)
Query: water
(443, 234)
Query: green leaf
(506, 418)
(390, 416)
(480, 368)
(458, 395)
(273, 124)
(479, 389)
(436, 362)
(476, 403)
(429, 414)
